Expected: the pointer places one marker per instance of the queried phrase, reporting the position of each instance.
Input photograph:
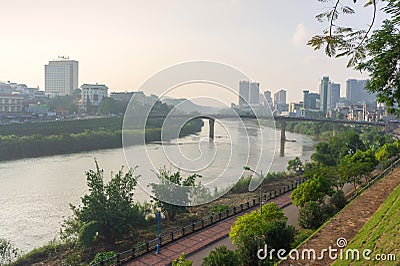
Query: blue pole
(299, 176)
(159, 232)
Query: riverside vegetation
(109, 221)
(63, 137)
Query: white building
(61, 77)
(10, 103)
(93, 93)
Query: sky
(124, 42)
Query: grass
(381, 234)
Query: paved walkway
(347, 223)
(198, 240)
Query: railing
(146, 247)
(149, 246)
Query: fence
(149, 246)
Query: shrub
(88, 232)
(181, 261)
(101, 256)
(219, 208)
(311, 215)
(241, 186)
(7, 252)
(221, 256)
(338, 200)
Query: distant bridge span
(282, 119)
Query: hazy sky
(122, 43)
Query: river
(35, 193)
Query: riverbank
(75, 136)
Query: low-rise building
(92, 95)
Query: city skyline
(123, 45)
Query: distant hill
(185, 105)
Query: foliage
(294, 165)
(301, 235)
(108, 207)
(171, 184)
(241, 186)
(219, 208)
(377, 54)
(314, 189)
(101, 256)
(384, 52)
(111, 106)
(221, 256)
(387, 151)
(338, 200)
(330, 153)
(87, 233)
(251, 231)
(8, 252)
(354, 167)
(182, 261)
(311, 215)
(41, 253)
(67, 102)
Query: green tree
(221, 256)
(108, 209)
(314, 189)
(311, 215)
(354, 167)
(171, 184)
(251, 231)
(387, 151)
(295, 164)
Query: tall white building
(61, 77)
(244, 89)
(93, 94)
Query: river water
(35, 193)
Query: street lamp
(247, 168)
(159, 232)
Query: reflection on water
(35, 193)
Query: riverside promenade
(199, 240)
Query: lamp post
(247, 168)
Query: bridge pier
(283, 138)
(211, 123)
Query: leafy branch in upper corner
(377, 53)
(343, 40)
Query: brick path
(198, 240)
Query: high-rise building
(310, 100)
(61, 77)
(280, 101)
(244, 89)
(333, 95)
(357, 94)
(254, 93)
(323, 94)
(268, 98)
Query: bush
(241, 186)
(311, 215)
(221, 256)
(88, 232)
(338, 200)
(219, 208)
(181, 261)
(8, 252)
(101, 256)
